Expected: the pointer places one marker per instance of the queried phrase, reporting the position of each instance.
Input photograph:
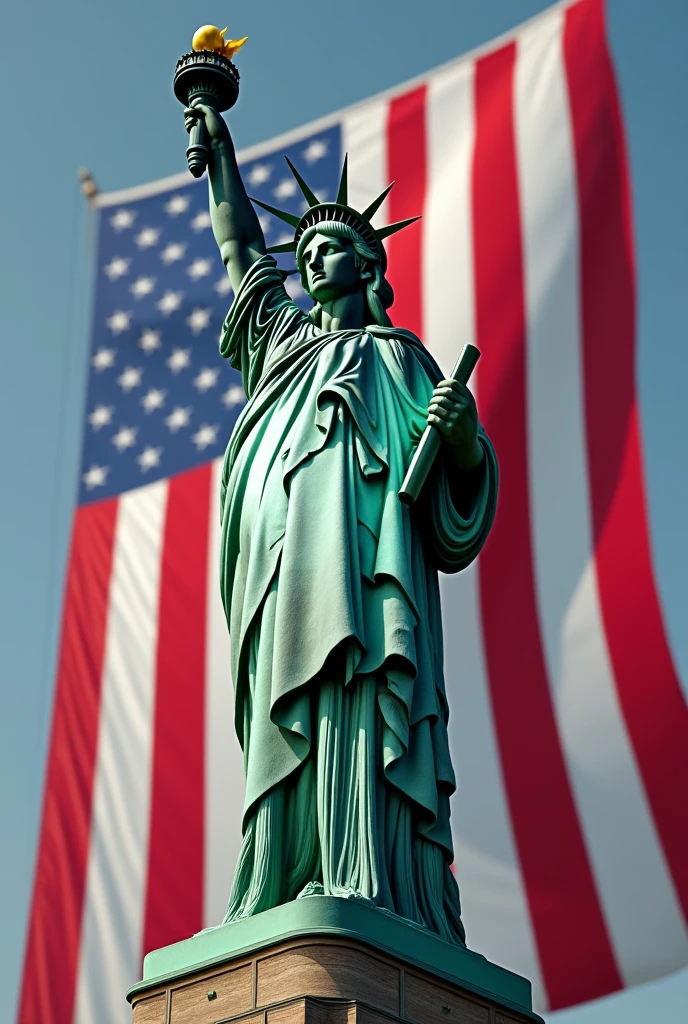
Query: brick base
(317, 980)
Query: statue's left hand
(453, 411)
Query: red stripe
(406, 164)
(174, 897)
(575, 954)
(649, 692)
(52, 949)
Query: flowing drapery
(330, 588)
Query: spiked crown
(339, 210)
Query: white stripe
(494, 905)
(637, 896)
(447, 258)
(495, 911)
(110, 955)
(224, 766)
(364, 138)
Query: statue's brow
(325, 244)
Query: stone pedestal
(323, 960)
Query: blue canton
(160, 397)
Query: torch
(206, 75)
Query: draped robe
(330, 589)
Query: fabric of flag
(569, 726)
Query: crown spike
(309, 196)
(288, 218)
(282, 247)
(343, 190)
(391, 229)
(371, 210)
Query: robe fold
(331, 594)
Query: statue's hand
(453, 411)
(217, 129)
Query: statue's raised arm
(236, 227)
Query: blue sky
(89, 84)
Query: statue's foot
(318, 889)
(312, 889)
(352, 894)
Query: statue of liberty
(329, 582)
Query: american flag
(160, 399)
(568, 726)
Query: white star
(179, 360)
(294, 287)
(153, 399)
(201, 220)
(178, 418)
(199, 268)
(223, 286)
(95, 477)
(142, 286)
(150, 340)
(177, 204)
(259, 174)
(122, 219)
(117, 267)
(207, 378)
(204, 436)
(131, 378)
(286, 188)
(173, 251)
(234, 396)
(170, 302)
(101, 416)
(124, 438)
(147, 237)
(199, 320)
(316, 150)
(104, 359)
(119, 321)
(149, 458)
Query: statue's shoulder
(261, 302)
(262, 319)
(407, 351)
(261, 279)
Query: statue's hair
(379, 293)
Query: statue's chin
(324, 292)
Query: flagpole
(88, 186)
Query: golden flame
(208, 37)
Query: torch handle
(198, 152)
(431, 440)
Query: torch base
(208, 73)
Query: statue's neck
(347, 313)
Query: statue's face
(331, 269)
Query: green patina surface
(329, 582)
(331, 592)
(332, 916)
